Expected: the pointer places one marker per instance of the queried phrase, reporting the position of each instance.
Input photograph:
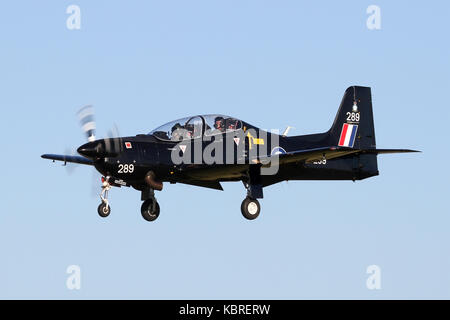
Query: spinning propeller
(94, 150)
(97, 149)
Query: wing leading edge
(66, 158)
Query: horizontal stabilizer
(386, 151)
(316, 154)
(66, 158)
(311, 155)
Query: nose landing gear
(104, 209)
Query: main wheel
(104, 210)
(250, 208)
(148, 211)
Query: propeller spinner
(108, 147)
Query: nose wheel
(104, 209)
(250, 208)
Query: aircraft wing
(205, 184)
(66, 158)
(308, 155)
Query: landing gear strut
(104, 208)
(150, 207)
(250, 207)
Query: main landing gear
(104, 208)
(150, 207)
(250, 208)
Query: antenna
(286, 131)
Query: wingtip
(47, 156)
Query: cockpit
(196, 127)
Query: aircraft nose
(91, 149)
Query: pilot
(231, 124)
(189, 130)
(219, 124)
(177, 132)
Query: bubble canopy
(196, 126)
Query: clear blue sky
(271, 63)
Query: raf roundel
(128, 145)
(278, 150)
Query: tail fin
(353, 126)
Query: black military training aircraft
(206, 150)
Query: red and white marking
(348, 135)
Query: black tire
(146, 208)
(103, 210)
(250, 208)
